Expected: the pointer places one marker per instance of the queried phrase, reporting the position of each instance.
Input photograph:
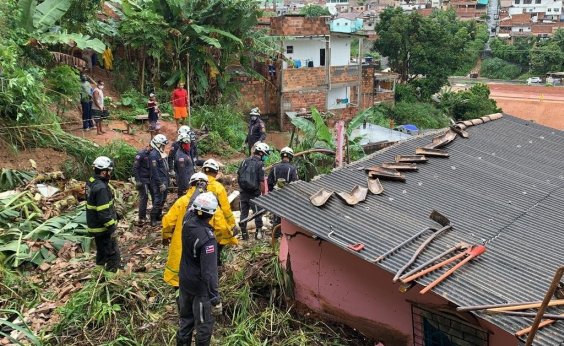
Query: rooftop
(504, 185)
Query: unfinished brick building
(315, 68)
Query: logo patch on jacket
(210, 249)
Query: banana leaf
(49, 12)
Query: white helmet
(183, 138)
(287, 152)
(211, 164)
(262, 148)
(184, 129)
(196, 177)
(192, 135)
(158, 142)
(206, 203)
(255, 111)
(103, 163)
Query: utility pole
(188, 88)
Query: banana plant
(39, 21)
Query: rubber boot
(244, 234)
(259, 234)
(154, 220)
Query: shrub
(423, 115)
(222, 119)
(497, 68)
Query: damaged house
(499, 194)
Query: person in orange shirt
(179, 100)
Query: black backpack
(247, 175)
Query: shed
(503, 186)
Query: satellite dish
(332, 10)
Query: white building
(552, 9)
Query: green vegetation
(497, 68)
(424, 51)
(469, 104)
(313, 10)
(537, 56)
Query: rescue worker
(199, 301)
(142, 174)
(175, 145)
(223, 221)
(183, 165)
(257, 130)
(159, 176)
(101, 216)
(250, 177)
(281, 174)
(172, 226)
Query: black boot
(244, 234)
(154, 221)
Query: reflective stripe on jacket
(100, 211)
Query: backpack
(247, 175)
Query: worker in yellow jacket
(172, 226)
(223, 221)
(172, 223)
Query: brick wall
(294, 79)
(293, 101)
(298, 26)
(344, 74)
(257, 93)
(367, 87)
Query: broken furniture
(319, 198)
(435, 216)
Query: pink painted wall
(336, 282)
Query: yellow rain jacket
(223, 220)
(172, 227)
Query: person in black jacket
(159, 177)
(142, 174)
(257, 130)
(250, 177)
(183, 130)
(198, 300)
(101, 216)
(183, 165)
(283, 172)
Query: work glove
(235, 230)
(138, 185)
(166, 241)
(172, 173)
(162, 188)
(217, 309)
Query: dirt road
(541, 104)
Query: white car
(534, 80)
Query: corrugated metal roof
(504, 183)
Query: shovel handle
(474, 252)
(433, 268)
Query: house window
(431, 327)
(537, 1)
(289, 49)
(527, 2)
(556, 10)
(517, 2)
(520, 29)
(549, 10)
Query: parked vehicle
(534, 80)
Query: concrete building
(551, 9)
(314, 68)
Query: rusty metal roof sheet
(504, 184)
